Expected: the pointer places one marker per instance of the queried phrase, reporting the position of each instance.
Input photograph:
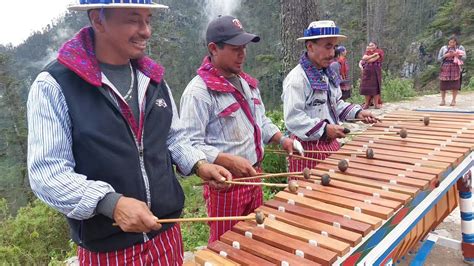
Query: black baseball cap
(227, 29)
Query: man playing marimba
(312, 103)
(224, 117)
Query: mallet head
(325, 179)
(293, 186)
(343, 165)
(306, 173)
(369, 153)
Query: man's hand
(334, 131)
(290, 145)
(238, 166)
(367, 117)
(214, 174)
(134, 216)
(287, 144)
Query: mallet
(258, 216)
(403, 133)
(425, 119)
(369, 153)
(306, 173)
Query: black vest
(104, 148)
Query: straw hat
(322, 29)
(85, 5)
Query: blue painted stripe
(467, 216)
(321, 31)
(468, 238)
(387, 252)
(423, 253)
(465, 195)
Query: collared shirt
(216, 123)
(307, 111)
(50, 155)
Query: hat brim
(99, 6)
(242, 39)
(340, 38)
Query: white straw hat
(85, 5)
(322, 29)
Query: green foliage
(36, 235)
(429, 74)
(396, 89)
(194, 234)
(470, 85)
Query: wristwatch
(197, 165)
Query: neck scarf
(318, 77)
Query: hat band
(321, 31)
(88, 2)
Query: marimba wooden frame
(383, 253)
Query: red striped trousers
(164, 249)
(234, 201)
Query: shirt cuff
(270, 131)
(106, 206)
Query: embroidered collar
(317, 78)
(215, 81)
(78, 55)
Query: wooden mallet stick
(403, 133)
(425, 119)
(306, 173)
(291, 186)
(369, 153)
(258, 216)
(342, 165)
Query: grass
(194, 234)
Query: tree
(295, 16)
(12, 136)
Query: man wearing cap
(225, 118)
(103, 133)
(312, 104)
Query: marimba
(373, 213)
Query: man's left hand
(214, 174)
(367, 117)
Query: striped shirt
(50, 152)
(215, 123)
(307, 111)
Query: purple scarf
(317, 77)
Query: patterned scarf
(215, 81)
(317, 78)
(78, 55)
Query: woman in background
(452, 57)
(341, 67)
(371, 81)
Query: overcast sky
(19, 18)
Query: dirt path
(451, 226)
